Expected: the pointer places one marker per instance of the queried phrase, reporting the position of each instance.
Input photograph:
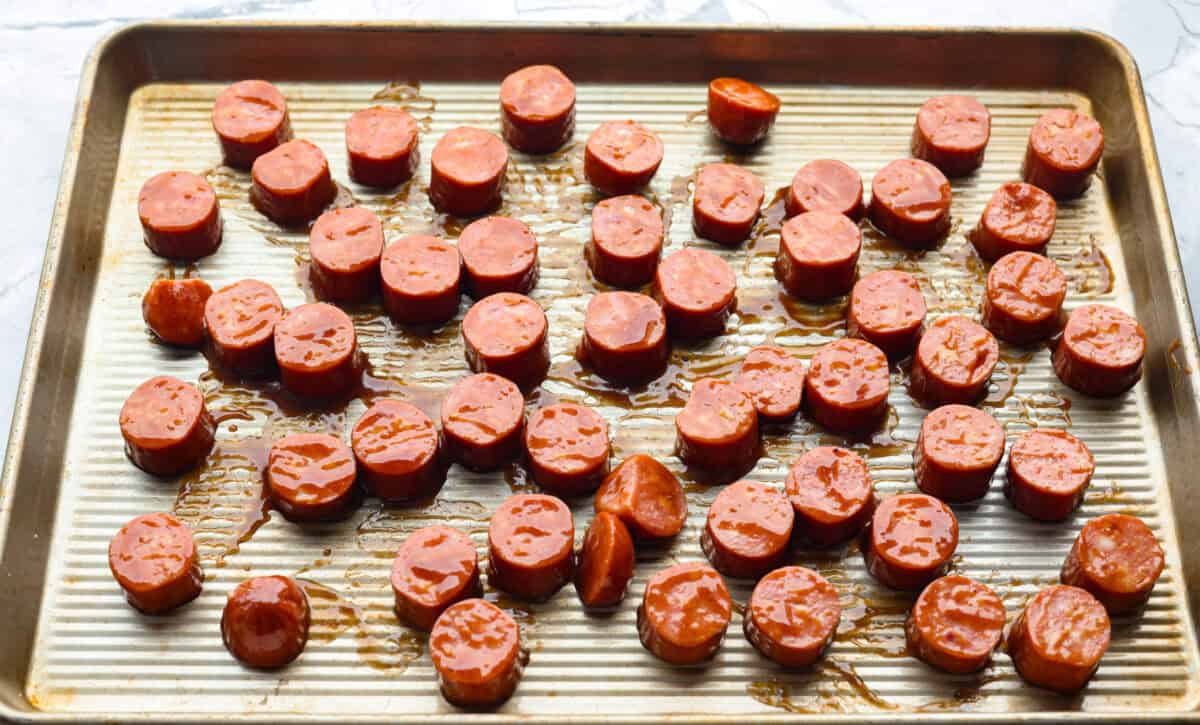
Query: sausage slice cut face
(345, 246)
(625, 337)
(726, 202)
(957, 452)
(476, 650)
(291, 183)
(952, 133)
(181, 218)
(166, 426)
(265, 622)
(499, 254)
(435, 567)
(646, 496)
(826, 185)
(910, 540)
(910, 202)
(792, 616)
(621, 157)
(154, 559)
(250, 118)
(398, 452)
(1064, 149)
(483, 418)
(1058, 640)
(718, 427)
(467, 172)
(773, 379)
(831, 493)
(1117, 559)
(954, 362)
(605, 562)
(697, 290)
(818, 255)
(739, 111)
(1048, 472)
(568, 448)
(627, 240)
(316, 349)
(310, 477)
(174, 310)
(1022, 303)
(421, 280)
(531, 541)
(1018, 218)
(240, 319)
(846, 387)
(887, 309)
(684, 613)
(505, 334)
(537, 109)
(955, 625)
(381, 146)
(747, 530)
(1101, 351)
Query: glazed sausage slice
(537, 109)
(1064, 149)
(774, 380)
(621, 157)
(957, 452)
(499, 254)
(317, 350)
(398, 452)
(826, 185)
(818, 255)
(531, 541)
(910, 202)
(1022, 303)
(605, 562)
(726, 202)
(483, 419)
(1018, 218)
(887, 309)
(310, 477)
(954, 362)
(645, 496)
(846, 387)
(717, 428)
(952, 133)
(435, 567)
(1059, 638)
(421, 279)
(240, 320)
(467, 171)
(910, 540)
(505, 334)
(476, 649)
(747, 530)
(955, 624)
(627, 240)
(697, 290)
(166, 426)
(568, 448)
(174, 310)
(250, 118)
(291, 183)
(381, 146)
(831, 494)
(625, 337)
(180, 216)
(153, 558)
(1048, 471)
(1117, 559)
(1101, 351)
(265, 621)
(345, 246)
(740, 112)
(792, 616)
(684, 613)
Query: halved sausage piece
(499, 254)
(957, 451)
(831, 494)
(310, 477)
(467, 171)
(739, 111)
(955, 625)
(697, 290)
(910, 202)
(725, 203)
(537, 109)
(1059, 638)
(1018, 218)
(531, 541)
(505, 334)
(1117, 559)
(887, 309)
(684, 613)
(421, 276)
(718, 427)
(174, 310)
(910, 540)
(826, 185)
(605, 562)
(476, 649)
(621, 157)
(792, 616)
(954, 362)
(627, 240)
(345, 246)
(773, 378)
(747, 530)
(435, 567)
(153, 558)
(398, 452)
(181, 218)
(1022, 303)
(265, 621)
(818, 255)
(240, 319)
(625, 337)
(1048, 471)
(316, 349)
(291, 183)
(568, 448)
(952, 133)
(846, 387)
(483, 419)
(1064, 149)
(250, 118)
(166, 426)
(381, 146)
(1101, 351)
(646, 497)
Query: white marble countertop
(43, 45)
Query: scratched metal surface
(94, 655)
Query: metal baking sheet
(75, 651)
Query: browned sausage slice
(887, 309)
(476, 649)
(250, 118)
(818, 255)
(420, 280)
(505, 334)
(568, 448)
(180, 216)
(345, 246)
(625, 337)
(831, 494)
(537, 109)
(381, 146)
(792, 616)
(1022, 303)
(1018, 218)
(1117, 559)
(605, 562)
(310, 477)
(954, 362)
(952, 133)
(291, 183)
(240, 320)
(483, 418)
(726, 202)
(627, 240)
(910, 540)
(957, 452)
(398, 452)
(846, 387)
(1048, 471)
(826, 185)
(684, 613)
(166, 426)
(316, 349)
(499, 254)
(910, 202)
(1101, 351)
(153, 558)
(531, 541)
(955, 624)
(1064, 149)
(435, 567)
(740, 112)
(717, 428)
(174, 310)
(773, 378)
(621, 157)
(467, 171)
(645, 496)
(265, 621)
(747, 530)
(697, 290)
(1058, 640)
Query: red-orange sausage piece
(792, 616)
(697, 290)
(747, 530)
(910, 540)
(740, 112)
(345, 246)
(957, 452)
(153, 558)
(1101, 351)
(483, 419)
(684, 613)
(499, 254)
(1117, 559)
(1064, 149)
(646, 497)
(435, 567)
(952, 133)
(818, 255)
(725, 203)
(1022, 303)
(910, 202)
(605, 562)
(773, 379)
(265, 621)
(831, 494)
(181, 218)
(846, 387)
(621, 157)
(317, 350)
(250, 118)
(826, 185)
(310, 477)
(398, 452)
(467, 171)
(627, 240)
(505, 334)
(381, 146)
(625, 337)
(166, 426)
(718, 427)
(174, 310)
(1059, 638)
(240, 319)
(1018, 218)
(1048, 471)
(476, 649)
(421, 280)
(955, 625)
(954, 361)
(887, 309)
(568, 448)
(537, 109)
(531, 540)
(291, 184)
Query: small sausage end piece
(910, 540)
(1048, 471)
(531, 540)
(537, 109)
(747, 530)
(154, 559)
(174, 310)
(910, 202)
(291, 183)
(381, 146)
(1059, 638)
(467, 172)
(1064, 149)
(398, 452)
(952, 133)
(181, 218)
(846, 387)
(250, 118)
(435, 567)
(887, 309)
(476, 650)
(955, 624)
(265, 621)
(166, 426)
(831, 494)
(792, 616)
(684, 613)
(605, 562)
(1117, 559)
(1101, 351)
(718, 427)
(645, 496)
(568, 448)
(740, 112)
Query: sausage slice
(398, 452)
(1058, 640)
(1048, 471)
(621, 157)
(153, 558)
(887, 309)
(174, 310)
(954, 362)
(537, 109)
(483, 419)
(952, 133)
(166, 426)
(467, 171)
(625, 337)
(792, 616)
(684, 613)
(645, 496)
(739, 111)
(1018, 218)
(627, 240)
(531, 541)
(747, 530)
(181, 218)
(774, 380)
(345, 246)
(910, 540)
(955, 625)
(605, 562)
(1023, 300)
(818, 255)
(831, 494)
(476, 649)
(726, 202)
(240, 319)
(435, 567)
(697, 290)
(826, 185)
(1101, 351)
(381, 146)
(499, 254)
(957, 452)
(250, 118)
(1117, 559)
(310, 477)
(910, 202)
(421, 276)
(317, 350)
(568, 448)
(846, 387)
(505, 334)
(291, 183)
(718, 427)
(265, 621)
(1064, 149)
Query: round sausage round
(1059, 638)
(166, 426)
(951, 133)
(531, 541)
(818, 255)
(317, 350)
(499, 254)
(1101, 351)
(792, 616)
(421, 279)
(537, 109)
(954, 362)
(646, 497)
(627, 240)
(174, 310)
(910, 202)
(1048, 471)
(398, 452)
(291, 183)
(476, 649)
(250, 118)
(846, 387)
(1117, 559)
(1019, 218)
(180, 216)
(505, 334)
(725, 203)
(568, 448)
(381, 146)
(740, 112)
(153, 558)
(684, 613)
(467, 171)
(625, 337)
(957, 451)
(717, 428)
(605, 562)
(265, 621)
(1022, 303)
(697, 290)
(310, 477)
(345, 246)
(747, 530)
(240, 320)
(887, 309)
(773, 379)
(621, 157)
(831, 494)
(483, 419)
(910, 540)
(955, 625)
(1064, 149)
(826, 185)
(435, 567)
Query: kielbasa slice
(646, 497)
(910, 202)
(483, 419)
(621, 157)
(1064, 149)
(1117, 559)
(952, 133)
(310, 477)
(1101, 351)
(818, 255)
(265, 621)
(568, 448)
(887, 309)
(684, 613)
(240, 319)
(1018, 218)
(605, 562)
(421, 279)
(398, 452)
(435, 567)
(826, 185)
(1022, 303)
(181, 218)
(725, 203)
(316, 349)
(773, 379)
(291, 183)
(718, 427)
(739, 111)
(697, 290)
(846, 387)
(747, 530)
(537, 109)
(627, 240)
(531, 541)
(910, 540)
(499, 254)
(154, 559)
(1048, 471)
(505, 334)
(831, 494)
(954, 361)
(166, 426)
(957, 451)
(955, 625)
(174, 310)
(792, 616)
(345, 246)
(250, 118)
(1059, 638)
(467, 171)
(476, 649)
(625, 337)
(381, 146)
